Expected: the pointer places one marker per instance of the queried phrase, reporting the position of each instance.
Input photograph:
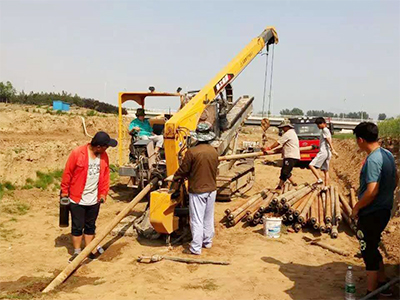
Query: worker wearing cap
(200, 166)
(142, 126)
(85, 181)
(289, 142)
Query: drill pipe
(290, 211)
(237, 218)
(284, 218)
(349, 221)
(334, 232)
(346, 207)
(332, 197)
(328, 209)
(302, 217)
(314, 210)
(297, 227)
(261, 221)
(328, 227)
(288, 194)
(254, 207)
(334, 229)
(265, 204)
(290, 218)
(297, 197)
(338, 213)
(321, 214)
(292, 194)
(298, 206)
(300, 194)
(353, 198)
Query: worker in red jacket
(85, 181)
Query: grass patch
(207, 285)
(343, 136)
(16, 208)
(91, 113)
(44, 180)
(6, 187)
(114, 175)
(9, 186)
(8, 234)
(18, 150)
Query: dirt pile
(39, 141)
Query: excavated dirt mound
(38, 141)
(346, 172)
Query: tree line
(9, 94)
(321, 113)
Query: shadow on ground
(314, 282)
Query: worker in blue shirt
(144, 129)
(378, 180)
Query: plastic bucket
(272, 227)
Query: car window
(303, 129)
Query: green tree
(382, 116)
(7, 91)
(320, 113)
(291, 112)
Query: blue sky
(334, 55)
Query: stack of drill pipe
(256, 209)
(302, 217)
(353, 198)
(321, 214)
(238, 213)
(338, 213)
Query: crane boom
(188, 117)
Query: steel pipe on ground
(328, 209)
(338, 213)
(345, 203)
(321, 214)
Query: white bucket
(272, 227)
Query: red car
(308, 133)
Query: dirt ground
(33, 249)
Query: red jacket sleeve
(104, 184)
(68, 172)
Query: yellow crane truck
(209, 104)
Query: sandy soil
(33, 248)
